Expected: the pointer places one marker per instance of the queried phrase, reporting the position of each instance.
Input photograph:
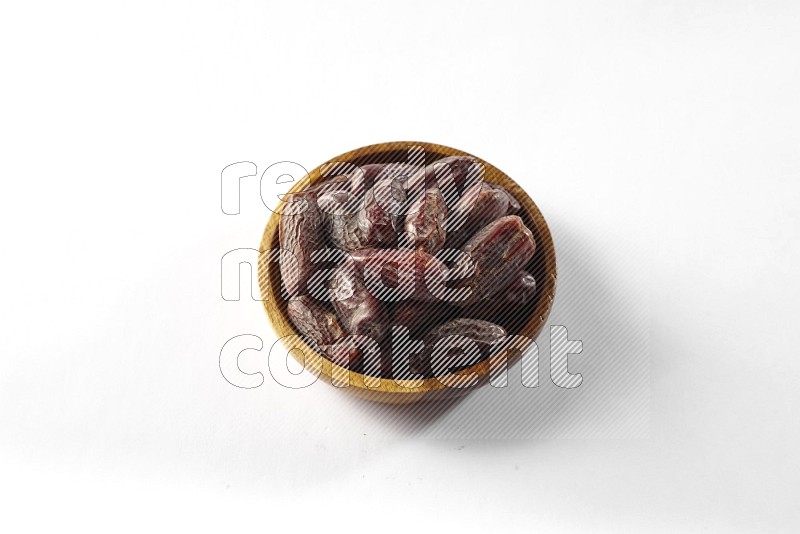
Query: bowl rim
(391, 390)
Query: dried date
(452, 173)
(507, 307)
(483, 333)
(522, 289)
(445, 346)
(480, 205)
(399, 274)
(497, 253)
(358, 310)
(451, 182)
(300, 233)
(314, 321)
(421, 317)
(513, 203)
(367, 224)
(425, 221)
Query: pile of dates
(403, 271)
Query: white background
(660, 139)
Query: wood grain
(542, 266)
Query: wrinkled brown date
(359, 180)
(358, 310)
(399, 171)
(321, 326)
(429, 218)
(522, 288)
(450, 173)
(513, 203)
(399, 274)
(434, 359)
(498, 252)
(425, 221)
(300, 232)
(340, 194)
(337, 183)
(483, 333)
(507, 307)
(480, 205)
(338, 217)
(377, 222)
(455, 176)
(351, 228)
(420, 317)
(314, 321)
(465, 171)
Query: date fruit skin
(455, 176)
(359, 182)
(483, 333)
(357, 179)
(368, 224)
(421, 317)
(459, 171)
(466, 170)
(341, 182)
(338, 217)
(506, 308)
(373, 172)
(399, 171)
(498, 252)
(314, 321)
(320, 325)
(522, 289)
(513, 203)
(394, 267)
(378, 221)
(425, 221)
(433, 192)
(300, 232)
(344, 193)
(358, 310)
(480, 205)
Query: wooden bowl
(542, 266)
